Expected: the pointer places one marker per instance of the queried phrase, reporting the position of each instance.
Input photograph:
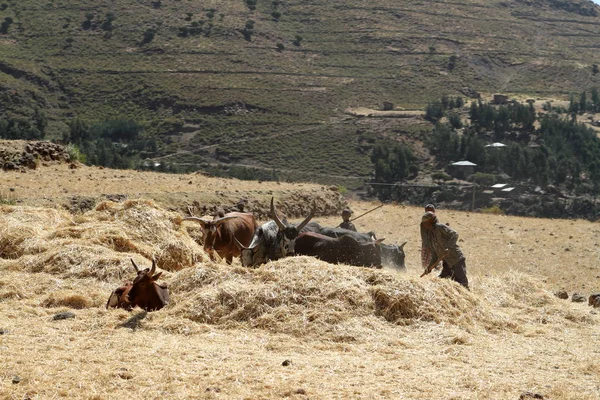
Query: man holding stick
(441, 240)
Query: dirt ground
(296, 328)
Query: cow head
(393, 255)
(143, 291)
(287, 234)
(247, 254)
(209, 229)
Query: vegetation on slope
(245, 83)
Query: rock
(285, 363)
(3, 331)
(63, 315)
(16, 379)
(561, 294)
(594, 300)
(530, 395)
(469, 92)
(578, 298)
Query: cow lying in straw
(143, 292)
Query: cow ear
(155, 277)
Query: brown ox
(143, 292)
(219, 233)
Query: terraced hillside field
(264, 84)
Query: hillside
(296, 328)
(263, 85)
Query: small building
(499, 185)
(509, 192)
(500, 99)
(462, 169)
(387, 106)
(497, 145)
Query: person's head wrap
(429, 217)
(430, 207)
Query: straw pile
(96, 244)
(300, 296)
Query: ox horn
(219, 221)
(275, 217)
(239, 245)
(402, 246)
(135, 265)
(153, 270)
(307, 219)
(202, 221)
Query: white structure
(464, 164)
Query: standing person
(346, 214)
(426, 256)
(441, 241)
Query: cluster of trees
(509, 121)
(584, 104)
(112, 143)
(393, 163)
(22, 128)
(565, 152)
(200, 27)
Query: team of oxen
(238, 234)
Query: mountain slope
(212, 78)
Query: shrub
(75, 154)
(495, 209)
(441, 176)
(452, 62)
(5, 25)
(276, 15)
(148, 36)
(484, 179)
(107, 24)
(280, 47)
(297, 40)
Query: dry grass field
(296, 328)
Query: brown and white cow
(143, 292)
(219, 233)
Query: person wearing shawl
(441, 241)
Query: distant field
(346, 332)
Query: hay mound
(97, 244)
(304, 296)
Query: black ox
(392, 255)
(341, 250)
